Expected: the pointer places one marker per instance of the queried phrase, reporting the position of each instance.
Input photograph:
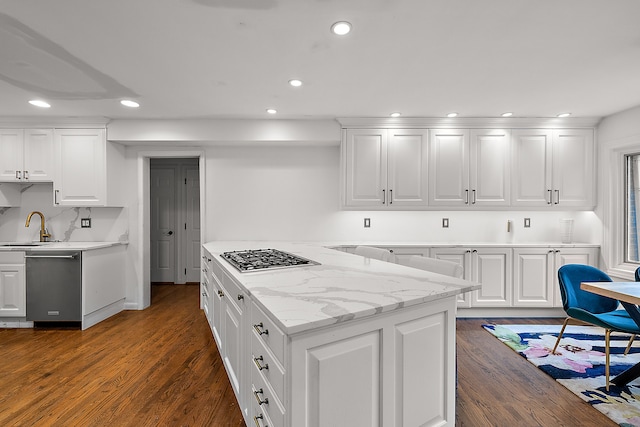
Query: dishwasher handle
(74, 256)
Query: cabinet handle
(220, 294)
(390, 197)
(384, 197)
(204, 294)
(256, 418)
(473, 199)
(550, 197)
(208, 259)
(240, 297)
(25, 174)
(260, 401)
(55, 197)
(18, 177)
(557, 197)
(466, 200)
(259, 331)
(474, 251)
(257, 361)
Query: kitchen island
(349, 341)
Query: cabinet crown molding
(470, 122)
(53, 122)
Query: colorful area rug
(580, 364)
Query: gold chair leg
(607, 335)
(626, 351)
(564, 325)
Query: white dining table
(628, 293)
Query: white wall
(618, 134)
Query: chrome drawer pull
(257, 361)
(260, 401)
(220, 294)
(259, 331)
(240, 297)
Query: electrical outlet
(85, 223)
(367, 222)
(527, 222)
(445, 222)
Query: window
(632, 207)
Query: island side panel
(392, 369)
(103, 284)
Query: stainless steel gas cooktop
(264, 259)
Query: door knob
(170, 233)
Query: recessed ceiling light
(341, 28)
(272, 110)
(509, 114)
(39, 103)
(452, 115)
(564, 115)
(395, 114)
(295, 82)
(129, 103)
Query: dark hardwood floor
(160, 367)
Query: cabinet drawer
(261, 357)
(268, 332)
(264, 399)
(233, 290)
(260, 417)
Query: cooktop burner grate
(262, 259)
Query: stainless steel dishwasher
(54, 286)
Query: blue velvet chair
(591, 308)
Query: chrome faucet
(43, 231)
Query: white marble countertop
(57, 246)
(343, 287)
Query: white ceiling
(233, 58)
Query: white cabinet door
(490, 167)
(461, 256)
(531, 166)
(492, 268)
(353, 367)
(13, 293)
(365, 167)
(80, 167)
(533, 277)
(407, 153)
(449, 168)
(563, 256)
(38, 155)
(232, 338)
(11, 154)
(573, 167)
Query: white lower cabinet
(13, 288)
(535, 279)
(489, 266)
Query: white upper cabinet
(553, 168)
(574, 170)
(469, 167)
(449, 168)
(26, 155)
(385, 168)
(88, 169)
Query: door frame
(144, 213)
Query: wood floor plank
(161, 367)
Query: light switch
(527, 222)
(367, 222)
(445, 222)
